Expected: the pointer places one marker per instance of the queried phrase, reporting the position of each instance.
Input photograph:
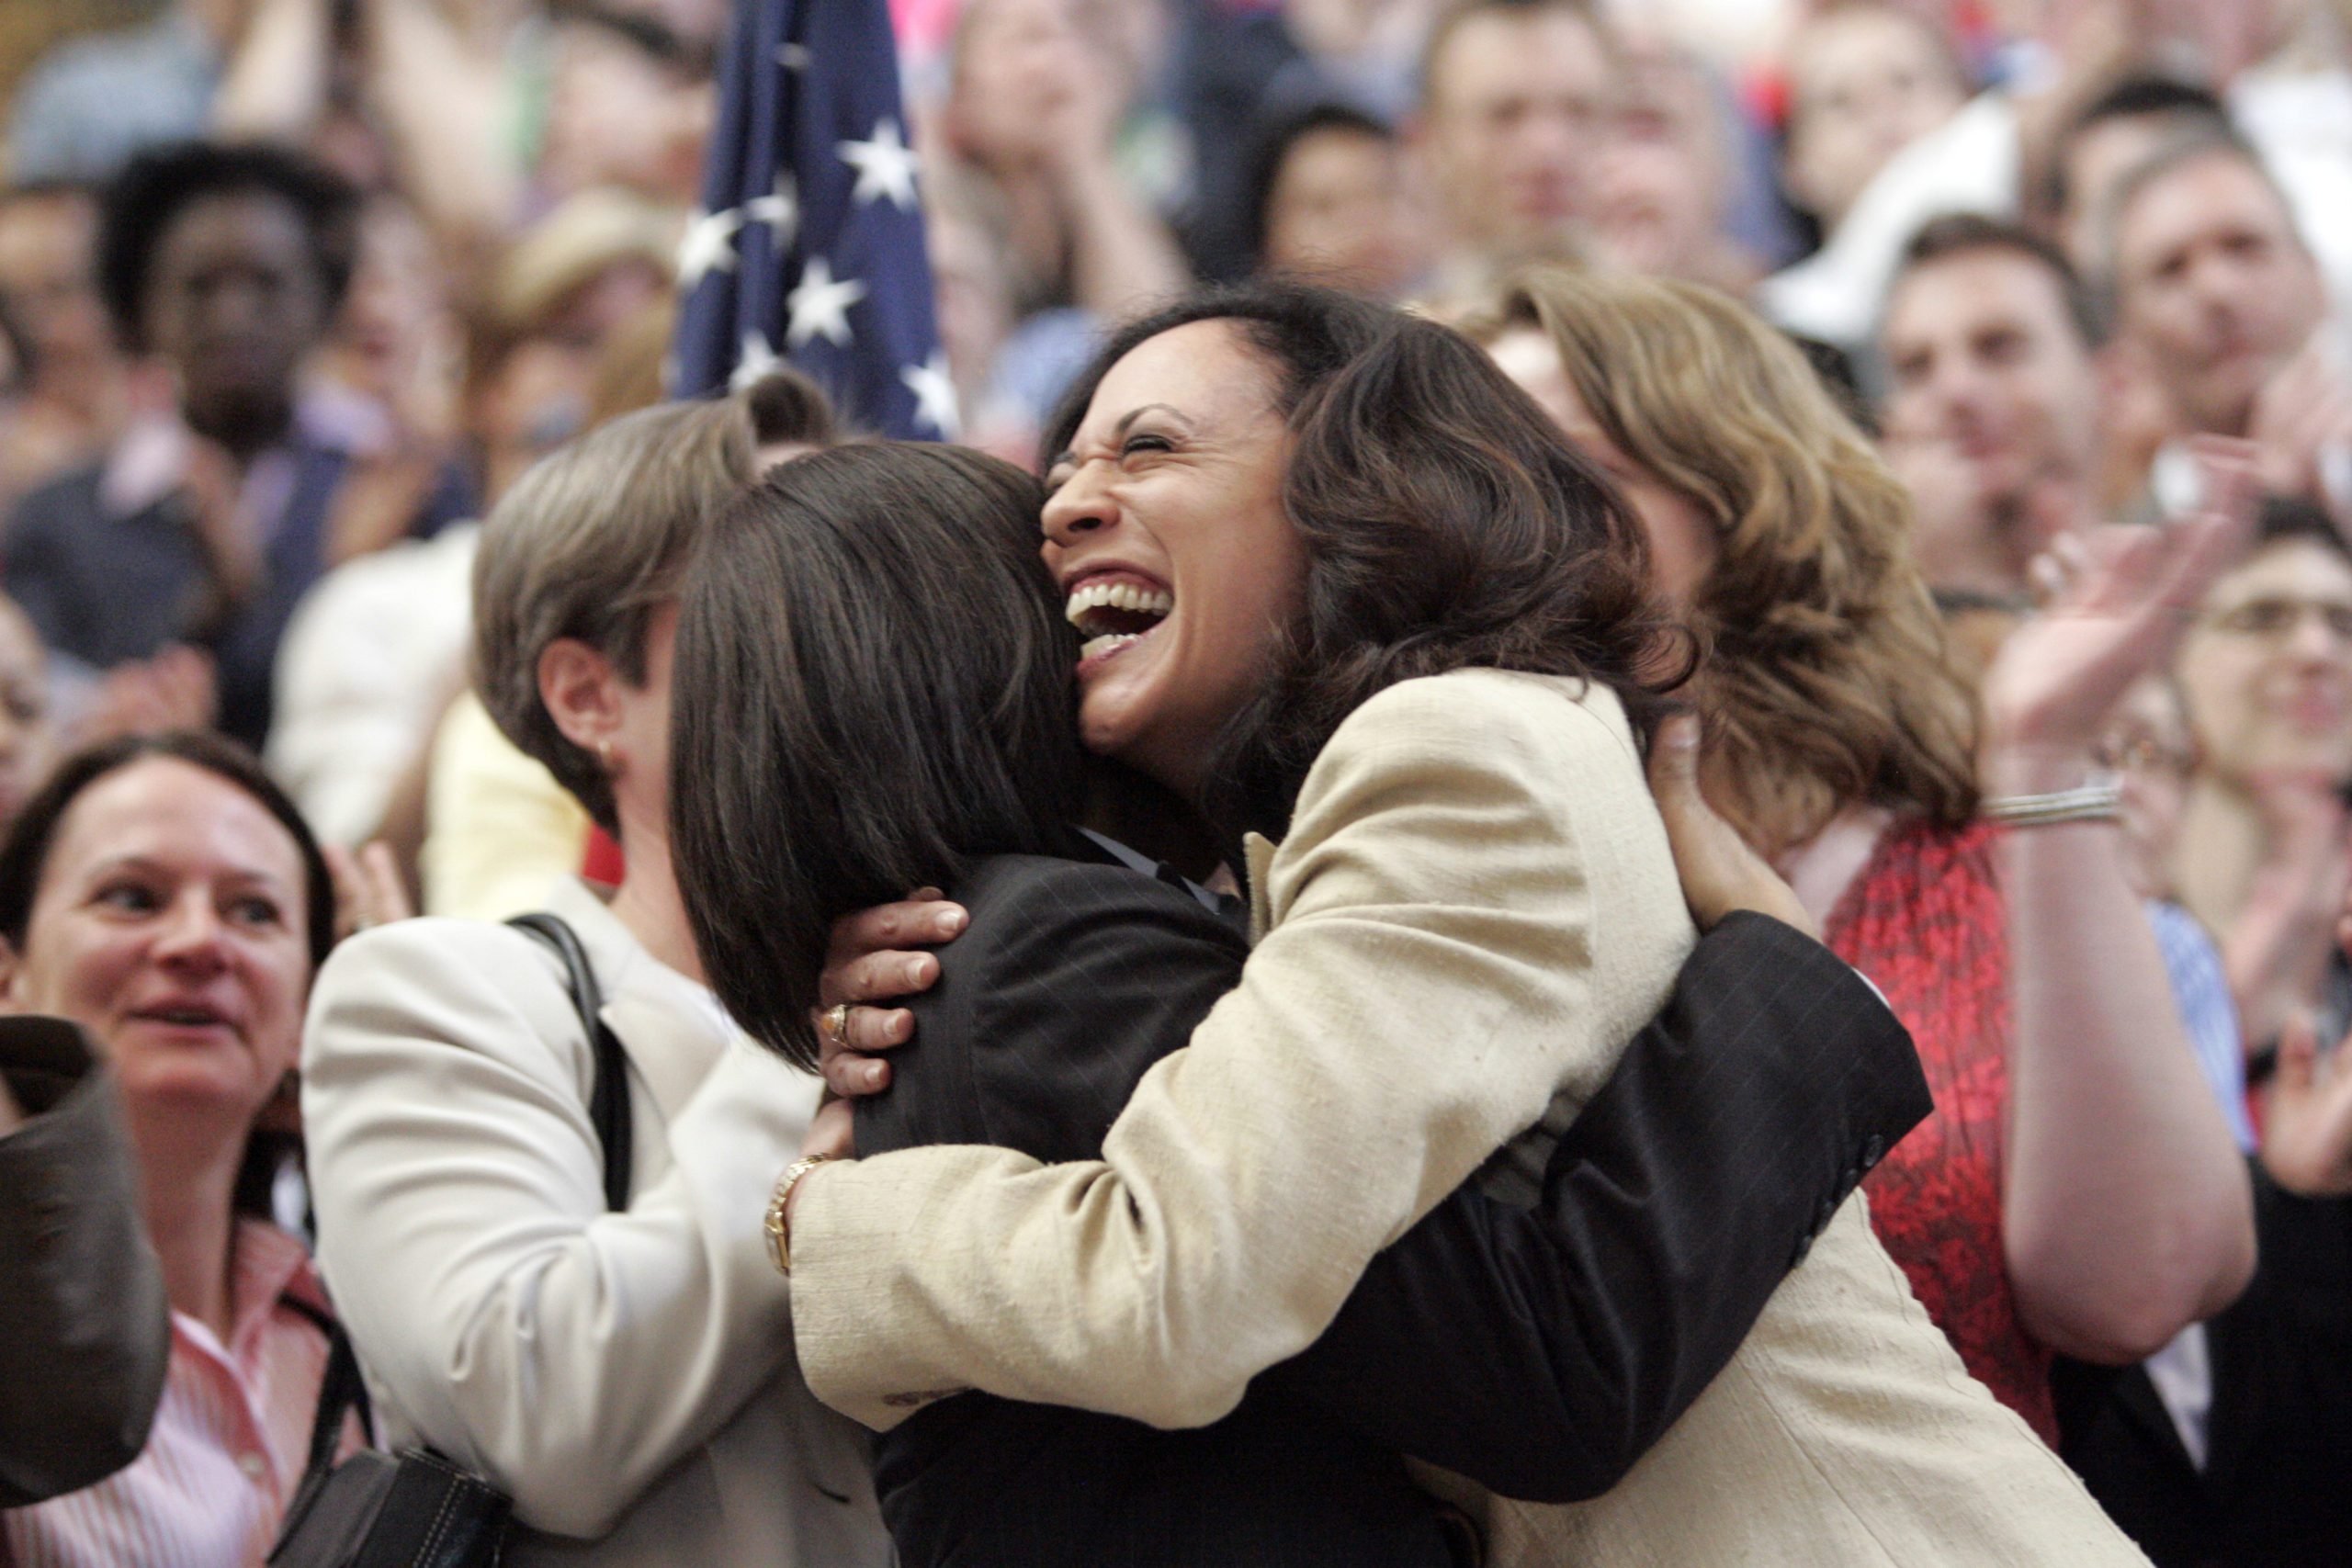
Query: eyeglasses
(2275, 619)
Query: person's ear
(580, 691)
(956, 129)
(1799, 176)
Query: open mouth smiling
(1113, 611)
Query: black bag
(415, 1509)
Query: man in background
(1515, 95)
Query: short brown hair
(584, 545)
(874, 690)
(1970, 233)
(1825, 685)
(1450, 20)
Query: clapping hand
(2307, 1117)
(368, 888)
(2124, 609)
(2300, 415)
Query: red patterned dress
(1925, 921)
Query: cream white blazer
(1474, 909)
(628, 1377)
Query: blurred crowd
(293, 292)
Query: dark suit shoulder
(1072, 980)
(1022, 905)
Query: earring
(605, 754)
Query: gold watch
(779, 1234)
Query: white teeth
(1117, 596)
(1099, 644)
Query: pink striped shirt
(227, 1449)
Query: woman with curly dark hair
(1341, 586)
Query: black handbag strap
(608, 1098)
(342, 1389)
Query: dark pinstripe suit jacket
(1538, 1351)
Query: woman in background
(626, 1376)
(165, 895)
(2262, 857)
(2076, 1188)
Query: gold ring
(837, 1023)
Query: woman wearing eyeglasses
(2265, 676)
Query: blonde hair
(1824, 685)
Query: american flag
(809, 244)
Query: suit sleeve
(87, 1338)
(1541, 1352)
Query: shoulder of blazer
(1072, 978)
(433, 964)
(1024, 908)
(1033, 915)
(1531, 733)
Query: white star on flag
(792, 56)
(934, 392)
(885, 166)
(819, 305)
(780, 211)
(709, 245)
(755, 359)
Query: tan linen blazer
(1474, 909)
(628, 1377)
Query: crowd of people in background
(1978, 375)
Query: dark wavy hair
(1448, 525)
(872, 688)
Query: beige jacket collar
(1258, 854)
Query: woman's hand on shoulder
(870, 963)
(1720, 872)
(832, 1132)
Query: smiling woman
(165, 895)
(1407, 653)
(1170, 506)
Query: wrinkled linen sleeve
(1473, 909)
(570, 1354)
